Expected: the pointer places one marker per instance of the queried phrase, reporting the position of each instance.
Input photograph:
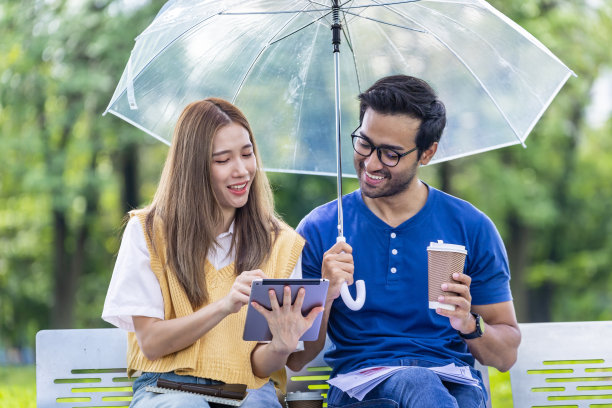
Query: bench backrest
(563, 364)
(87, 368)
(82, 368)
(313, 377)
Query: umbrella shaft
(336, 27)
(338, 144)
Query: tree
(60, 174)
(536, 195)
(69, 175)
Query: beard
(393, 184)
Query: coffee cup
(300, 399)
(443, 260)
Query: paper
(456, 374)
(358, 383)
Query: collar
(229, 232)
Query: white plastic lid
(441, 246)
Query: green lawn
(500, 389)
(18, 387)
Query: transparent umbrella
(276, 61)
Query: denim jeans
(413, 387)
(264, 397)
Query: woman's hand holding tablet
(290, 306)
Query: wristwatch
(478, 332)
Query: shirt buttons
(394, 251)
(393, 270)
(393, 235)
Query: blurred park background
(68, 175)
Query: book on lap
(226, 394)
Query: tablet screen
(256, 326)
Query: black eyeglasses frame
(378, 149)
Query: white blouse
(134, 290)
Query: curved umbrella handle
(348, 299)
(358, 302)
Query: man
(389, 222)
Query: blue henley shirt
(395, 324)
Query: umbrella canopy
(273, 58)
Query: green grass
(18, 386)
(501, 393)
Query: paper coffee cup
(442, 261)
(300, 399)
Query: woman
(186, 263)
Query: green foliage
(501, 390)
(18, 387)
(63, 179)
(297, 194)
(549, 201)
(59, 186)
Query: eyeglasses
(387, 156)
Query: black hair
(407, 95)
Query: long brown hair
(189, 210)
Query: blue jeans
(264, 397)
(413, 387)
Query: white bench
(87, 368)
(82, 368)
(563, 364)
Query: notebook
(226, 394)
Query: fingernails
(440, 298)
(444, 286)
(455, 275)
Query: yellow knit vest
(220, 354)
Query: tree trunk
(518, 255)
(69, 264)
(129, 169)
(540, 302)
(61, 310)
(445, 177)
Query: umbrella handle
(358, 302)
(348, 299)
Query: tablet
(256, 326)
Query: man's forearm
(497, 347)
(297, 360)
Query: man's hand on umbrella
(337, 267)
(458, 294)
